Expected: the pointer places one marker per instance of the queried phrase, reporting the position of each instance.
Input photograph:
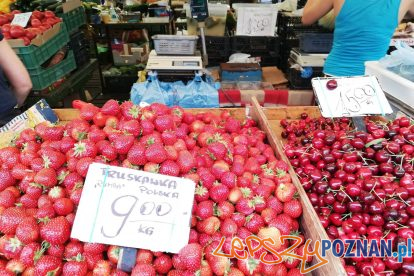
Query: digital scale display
(188, 63)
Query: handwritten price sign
(350, 96)
(260, 21)
(21, 19)
(134, 208)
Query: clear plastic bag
(152, 91)
(400, 61)
(197, 94)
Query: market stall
(172, 138)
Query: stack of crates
(74, 21)
(218, 49)
(265, 47)
(35, 57)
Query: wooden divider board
(268, 120)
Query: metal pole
(203, 43)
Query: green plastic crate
(34, 56)
(42, 78)
(74, 19)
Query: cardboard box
(70, 5)
(301, 98)
(129, 55)
(39, 39)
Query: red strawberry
(129, 110)
(205, 209)
(102, 267)
(169, 137)
(232, 125)
(56, 250)
(92, 259)
(190, 255)
(169, 167)
(53, 133)
(208, 226)
(111, 107)
(274, 269)
(147, 127)
(7, 199)
(185, 161)
(144, 256)
(96, 135)
(219, 168)
(56, 231)
(56, 193)
(291, 262)
(85, 148)
(235, 272)
(113, 253)
(294, 272)
(156, 153)
(159, 109)
(245, 206)
(219, 193)
(45, 211)
(48, 265)
(27, 231)
(201, 193)
(6, 179)
(229, 179)
(75, 267)
(46, 177)
(268, 215)
(73, 249)
(82, 166)
(249, 266)
(163, 264)
(219, 265)
(228, 228)
(282, 224)
(15, 266)
(151, 167)
(10, 219)
(123, 143)
(133, 127)
(119, 273)
(254, 223)
(293, 208)
(94, 248)
(66, 144)
(63, 206)
(88, 111)
(143, 270)
(136, 155)
(275, 204)
(285, 191)
(10, 247)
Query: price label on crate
(350, 96)
(21, 19)
(133, 208)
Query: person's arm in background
(315, 9)
(15, 72)
(406, 10)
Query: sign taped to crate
(350, 96)
(134, 208)
(21, 19)
(256, 21)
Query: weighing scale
(170, 68)
(305, 59)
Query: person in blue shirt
(363, 30)
(15, 83)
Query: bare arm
(315, 9)
(406, 9)
(15, 72)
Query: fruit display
(360, 183)
(38, 24)
(242, 189)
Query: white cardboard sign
(133, 208)
(260, 21)
(353, 96)
(21, 19)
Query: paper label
(21, 19)
(133, 208)
(353, 96)
(256, 21)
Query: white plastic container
(392, 84)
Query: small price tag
(350, 96)
(21, 19)
(133, 208)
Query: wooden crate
(309, 222)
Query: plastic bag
(151, 91)
(197, 94)
(400, 61)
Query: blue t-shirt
(363, 29)
(8, 100)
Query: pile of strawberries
(242, 190)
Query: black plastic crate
(78, 41)
(302, 79)
(215, 60)
(315, 42)
(119, 84)
(273, 59)
(217, 45)
(255, 44)
(288, 25)
(82, 57)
